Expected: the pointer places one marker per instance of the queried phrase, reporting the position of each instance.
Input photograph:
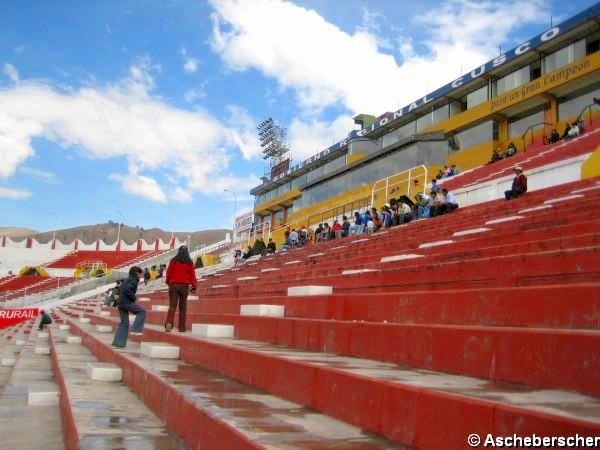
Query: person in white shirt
(451, 203)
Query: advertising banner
(10, 316)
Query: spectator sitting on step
(358, 224)
(511, 150)
(434, 186)
(404, 212)
(237, 256)
(345, 226)
(497, 155)
(519, 184)
(249, 253)
(450, 203)
(436, 205)
(318, 232)
(574, 131)
(271, 248)
(439, 175)
(385, 216)
(376, 219)
(366, 219)
(147, 276)
(454, 170)
(554, 137)
(336, 229)
(325, 233)
(127, 304)
(45, 319)
(293, 238)
(259, 247)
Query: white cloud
(13, 194)
(181, 195)
(10, 71)
(141, 186)
(243, 134)
(42, 175)
(327, 66)
(308, 137)
(192, 95)
(123, 119)
(190, 64)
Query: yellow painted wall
(474, 156)
(351, 159)
(560, 76)
(265, 207)
(591, 166)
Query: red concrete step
(397, 402)
(538, 357)
(571, 306)
(212, 412)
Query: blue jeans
(120, 339)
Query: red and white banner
(10, 317)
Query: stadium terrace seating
(536, 156)
(112, 259)
(34, 284)
(484, 320)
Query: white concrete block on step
(435, 244)
(159, 350)
(98, 371)
(8, 362)
(85, 320)
(42, 351)
(219, 286)
(20, 342)
(399, 257)
(270, 269)
(246, 278)
(359, 240)
(292, 262)
(42, 396)
(579, 191)
(297, 291)
(104, 328)
(535, 208)
(74, 340)
(193, 297)
(161, 308)
(105, 313)
(357, 271)
(314, 255)
(504, 219)
(262, 310)
(63, 327)
(211, 330)
(563, 199)
(339, 246)
(42, 335)
(471, 231)
(143, 299)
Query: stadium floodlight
(273, 139)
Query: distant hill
(17, 233)
(108, 233)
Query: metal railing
(402, 183)
(530, 130)
(588, 109)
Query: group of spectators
(447, 172)
(499, 154)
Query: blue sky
(149, 107)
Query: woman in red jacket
(180, 275)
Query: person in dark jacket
(519, 185)
(127, 304)
(45, 319)
(147, 276)
(271, 247)
(180, 276)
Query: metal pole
(119, 230)
(233, 227)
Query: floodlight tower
(273, 140)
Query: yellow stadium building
(520, 97)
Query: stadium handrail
(530, 129)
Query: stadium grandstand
(473, 318)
